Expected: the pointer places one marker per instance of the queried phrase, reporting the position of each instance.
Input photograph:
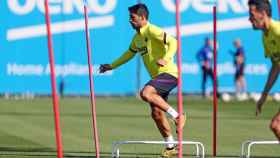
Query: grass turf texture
(27, 127)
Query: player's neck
(267, 25)
(144, 23)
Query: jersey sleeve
(166, 39)
(266, 50)
(276, 30)
(129, 54)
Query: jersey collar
(144, 29)
(272, 23)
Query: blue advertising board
(24, 51)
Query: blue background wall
(24, 59)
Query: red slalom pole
(53, 83)
(279, 8)
(179, 65)
(92, 95)
(215, 83)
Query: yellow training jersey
(271, 42)
(152, 43)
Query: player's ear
(142, 17)
(264, 14)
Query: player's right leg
(203, 83)
(275, 125)
(243, 84)
(161, 121)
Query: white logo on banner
(205, 7)
(226, 68)
(60, 7)
(71, 69)
(75, 69)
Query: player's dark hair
(139, 9)
(262, 5)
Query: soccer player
(205, 58)
(157, 49)
(239, 63)
(260, 17)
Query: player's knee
(272, 126)
(275, 125)
(145, 95)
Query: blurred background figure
(205, 59)
(239, 63)
(61, 88)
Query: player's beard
(255, 27)
(134, 26)
(256, 24)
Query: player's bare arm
(273, 75)
(161, 62)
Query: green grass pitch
(27, 127)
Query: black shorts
(163, 83)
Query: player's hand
(240, 59)
(206, 65)
(104, 67)
(161, 62)
(259, 105)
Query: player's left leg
(150, 95)
(211, 74)
(240, 80)
(275, 125)
(156, 90)
(243, 85)
(238, 86)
